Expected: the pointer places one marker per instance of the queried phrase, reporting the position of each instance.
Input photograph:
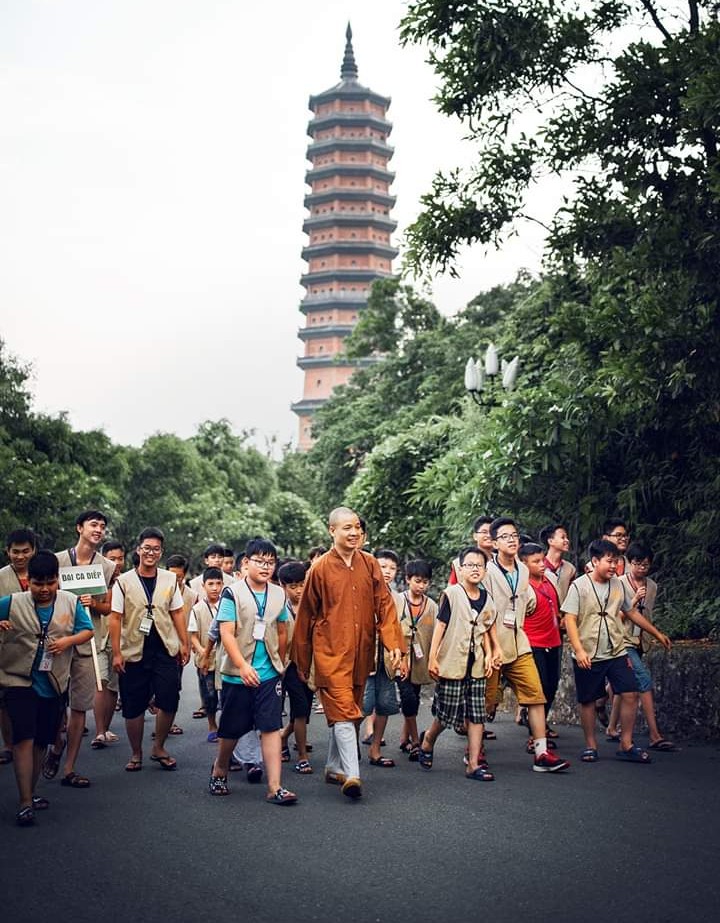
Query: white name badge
(46, 662)
(259, 630)
(145, 626)
(509, 619)
(417, 650)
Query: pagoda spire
(349, 70)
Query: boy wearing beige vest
(644, 590)
(38, 633)
(462, 653)
(594, 609)
(201, 618)
(252, 617)
(149, 641)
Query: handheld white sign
(83, 579)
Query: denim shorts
(380, 694)
(642, 674)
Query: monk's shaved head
(340, 513)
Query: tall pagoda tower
(349, 228)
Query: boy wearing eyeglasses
(462, 654)
(253, 628)
(148, 632)
(507, 582)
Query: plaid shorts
(459, 700)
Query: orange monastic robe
(340, 610)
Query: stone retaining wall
(687, 690)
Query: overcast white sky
(152, 161)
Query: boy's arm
(195, 643)
(282, 640)
(647, 626)
(437, 636)
(227, 636)
(487, 650)
(496, 650)
(581, 657)
(178, 617)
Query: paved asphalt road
(608, 841)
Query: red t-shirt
(542, 627)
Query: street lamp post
(481, 377)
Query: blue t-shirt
(261, 662)
(40, 680)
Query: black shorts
(299, 694)
(590, 684)
(409, 698)
(156, 675)
(247, 708)
(32, 716)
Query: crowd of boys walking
(336, 629)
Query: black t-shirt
(477, 604)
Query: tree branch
(694, 17)
(655, 18)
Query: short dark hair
(387, 554)
(260, 545)
(113, 545)
(529, 548)
(238, 561)
(638, 551)
(292, 572)
(178, 560)
(611, 524)
(498, 523)
(363, 524)
(214, 548)
(471, 549)
(43, 565)
(599, 547)
(21, 537)
(482, 521)
(547, 532)
(151, 532)
(228, 552)
(316, 551)
(418, 568)
(90, 514)
(212, 573)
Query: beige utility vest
(99, 621)
(561, 578)
(19, 646)
(204, 617)
(598, 618)
(464, 632)
(246, 613)
(634, 635)
(419, 633)
(399, 601)
(510, 611)
(9, 582)
(132, 640)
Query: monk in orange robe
(345, 602)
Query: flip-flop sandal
(550, 733)
(39, 803)
(165, 762)
(176, 731)
(25, 817)
(589, 755)
(481, 774)
(633, 755)
(664, 746)
(425, 758)
(200, 713)
(489, 735)
(111, 738)
(303, 767)
(99, 742)
(73, 780)
(383, 761)
(282, 797)
(133, 766)
(285, 755)
(6, 756)
(367, 740)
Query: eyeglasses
(474, 566)
(484, 532)
(508, 536)
(146, 549)
(259, 562)
(618, 534)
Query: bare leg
(222, 761)
(628, 713)
(163, 723)
(647, 703)
(134, 728)
(588, 720)
(378, 731)
(614, 720)
(23, 761)
(270, 745)
(431, 735)
(301, 738)
(75, 728)
(475, 732)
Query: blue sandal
(589, 755)
(481, 774)
(425, 758)
(633, 755)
